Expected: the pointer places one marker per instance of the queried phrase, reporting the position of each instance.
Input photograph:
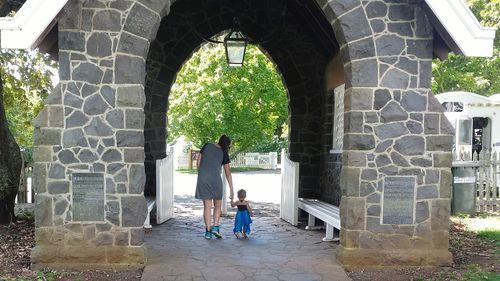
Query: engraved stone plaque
(88, 196)
(399, 200)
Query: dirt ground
(472, 257)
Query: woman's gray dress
(209, 184)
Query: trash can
(463, 199)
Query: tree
(209, 98)
(477, 75)
(25, 80)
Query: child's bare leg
(217, 211)
(207, 212)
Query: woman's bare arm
(198, 162)
(229, 178)
(249, 209)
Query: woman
(209, 184)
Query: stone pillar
(396, 161)
(89, 143)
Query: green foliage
(477, 75)
(209, 99)
(490, 234)
(27, 81)
(475, 273)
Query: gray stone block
(412, 101)
(115, 167)
(60, 207)
(359, 73)
(142, 22)
(421, 162)
(414, 127)
(389, 45)
(44, 136)
(354, 24)
(135, 119)
(376, 9)
(130, 44)
(382, 147)
(440, 214)
(358, 50)
(439, 143)
(343, 6)
(112, 210)
(88, 90)
(131, 96)
(403, 12)
(391, 130)
(410, 145)
(389, 170)
(400, 28)
(39, 177)
(57, 171)
(421, 48)
(129, 70)
(73, 101)
(353, 122)
(366, 188)
(373, 210)
(133, 155)
(121, 239)
(107, 20)
(382, 97)
(133, 210)
(87, 156)
(445, 182)
(99, 128)
(126, 138)
(88, 72)
(349, 181)
(111, 155)
(382, 160)
(72, 41)
(431, 176)
(393, 112)
(95, 105)
(108, 94)
(73, 138)
(137, 236)
(116, 118)
(58, 187)
(104, 239)
(99, 45)
(137, 179)
(359, 142)
(378, 25)
(427, 192)
(395, 79)
(431, 124)
(399, 160)
(43, 214)
(373, 198)
(422, 211)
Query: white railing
(487, 174)
(289, 189)
(258, 160)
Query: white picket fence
(487, 171)
(289, 189)
(259, 160)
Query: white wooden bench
(150, 202)
(326, 212)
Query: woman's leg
(207, 212)
(217, 210)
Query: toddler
(242, 219)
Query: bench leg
(329, 234)
(147, 222)
(311, 222)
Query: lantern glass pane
(235, 52)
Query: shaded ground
(275, 251)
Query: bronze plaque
(88, 196)
(399, 200)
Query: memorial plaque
(399, 200)
(88, 196)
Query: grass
(25, 215)
(233, 170)
(490, 234)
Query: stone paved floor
(276, 250)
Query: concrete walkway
(276, 250)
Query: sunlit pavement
(176, 250)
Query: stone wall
(94, 122)
(393, 126)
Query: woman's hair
(242, 193)
(224, 142)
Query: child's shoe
(216, 231)
(208, 235)
(238, 235)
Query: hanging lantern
(235, 43)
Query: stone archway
(93, 125)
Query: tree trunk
(10, 167)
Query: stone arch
(94, 120)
